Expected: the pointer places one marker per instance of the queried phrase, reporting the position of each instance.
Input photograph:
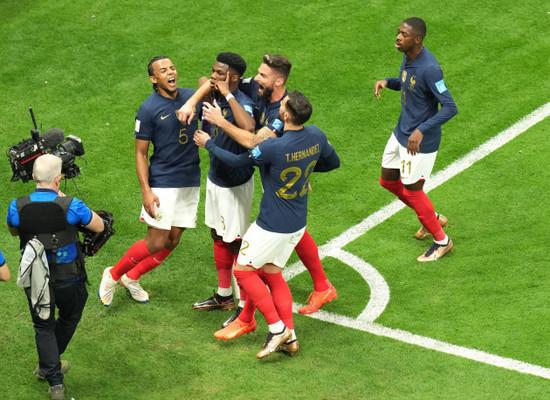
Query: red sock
(396, 187)
(148, 264)
(223, 259)
(247, 314)
(137, 252)
(257, 292)
(282, 297)
(424, 209)
(309, 254)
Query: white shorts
(412, 168)
(260, 247)
(178, 207)
(227, 210)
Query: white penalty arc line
(379, 288)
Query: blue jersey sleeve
(436, 85)
(328, 160)
(229, 158)
(2, 259)
(144, 125)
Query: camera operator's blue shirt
(175, 161)
(77, 214)
(2, 259)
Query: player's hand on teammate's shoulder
(186, 114)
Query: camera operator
(35, 216)
(4, 271)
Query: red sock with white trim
(223, 259)
(148, 264)
(308, 252)
(257, 293)
(424, 209)
(282, 297)
(136, 253)
(396, 187)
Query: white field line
(380, 293)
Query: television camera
(23, 154)
(22, 157)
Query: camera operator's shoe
(57, 392)
(317, 299)
(216, 302)
(436, 251)
(64, 368)
(235, 329)
(233, 317)
(290, 347)
(423, 233)
(273, 342)
(107, 287)
(135, 289)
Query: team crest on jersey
(440, 85)
(256, 152)
(404, 76)
(278, 124)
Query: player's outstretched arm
(187, 111)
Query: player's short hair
(279, 63)
(233, 61)
(418, 26)
(299, 107)
(46, 168)
(151, 70)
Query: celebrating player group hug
(243, 123)
(257, 122)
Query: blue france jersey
(2, 259)
(219, 173)
(175, 160)
(77, 214)
(422, 89)
(265, 114)
(286, 164)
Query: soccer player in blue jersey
(267, 89)
(229, 190)
(169, 181)
(4, 271)
(410, 153)
(285, 167)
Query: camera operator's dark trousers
(53, 336)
